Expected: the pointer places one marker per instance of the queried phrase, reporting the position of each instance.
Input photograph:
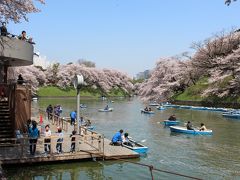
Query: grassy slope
(95, 93)
(193, 93)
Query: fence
(19, 148)
(55, 120)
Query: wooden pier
(17, 154)
(89, 145)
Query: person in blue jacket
(73, 116)
(117, 138)
(33, 137)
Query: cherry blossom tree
(15, 10)
(63, 75)
(228, 2)
(103, 79)
(169, 76)
(218, 58)
(34, 76)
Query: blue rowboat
(185, 107)
(231, 115)
(105, 110)
(199, 108)
(170, 123)
(180, 129)
(171, 105)
(147, 112)
(161, 108)
(154, 104)
(137, 147)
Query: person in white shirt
(125, 140)
(203, 127)
(59, 140)
(47, 139)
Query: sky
(126, 35)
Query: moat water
(207, 157)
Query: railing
(89, 137)
(55, 120)
(19, 147)
(8, 91)
(12, 103)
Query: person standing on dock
(49, 111)
(73, 141)
(117, 138)
(33, 137)
(81, 121)
(47, 139)
(73, 116)
(59, 140)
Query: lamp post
(78, 81)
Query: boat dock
(88, 145)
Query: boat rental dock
(88, 145)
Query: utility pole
(77, 82)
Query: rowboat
(234, 115)
(170, 105)
(105, 110)
(137, 147)
(83, 106)
(185, 107)
(180, 129)
(161, 108)
(147, 112)
(199, 108)
(154, 104)
(170, 123)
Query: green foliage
(193, 93)
(56, 91)
(85, 91)
(225, 82)
(117, 92)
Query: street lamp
(77, 82)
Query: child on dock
(73, 140)
(47, 139)
(59, 141)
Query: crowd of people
(54, 111)
(34, 134)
